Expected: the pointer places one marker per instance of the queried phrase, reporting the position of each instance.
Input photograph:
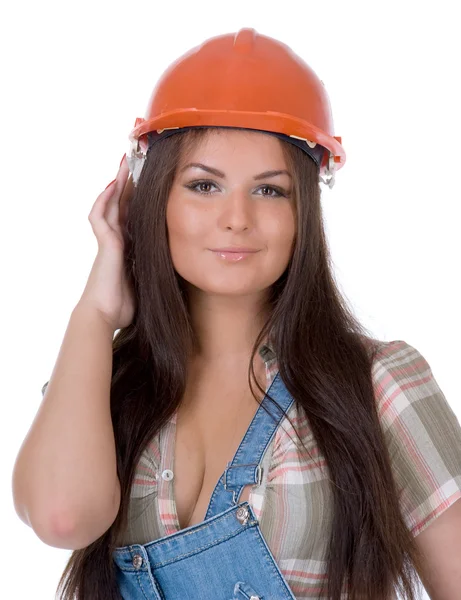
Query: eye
(205, 182)
(278, 191)
(194, 185)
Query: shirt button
(167, 475)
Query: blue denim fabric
(225, 557)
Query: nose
(237, 211)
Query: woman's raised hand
(109, 289)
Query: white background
(75, 77)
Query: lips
(237, 249)
(233, 256)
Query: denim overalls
(225, 557)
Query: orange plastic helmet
(242, 80)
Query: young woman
(152, 456)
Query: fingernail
(110, 183)
(122, 159)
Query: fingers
(114, 205)
(123, 171)
(104, 214)
(125, 196)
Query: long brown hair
(324, 357)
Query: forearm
(65, 472)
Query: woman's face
(237, 207)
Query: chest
(210, 426)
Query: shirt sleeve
(422, 433)
(44, 388)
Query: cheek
(188, 230)
(280, 233)
(185, 225)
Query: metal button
(242, 515)
(242, 589)
(137, 561)
(167, 475)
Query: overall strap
(245, 468)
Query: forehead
(236, 146)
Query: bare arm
(65, 484)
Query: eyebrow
(218, 173)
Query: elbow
(55, 531)
(63, 532)
(60, 531)
(67, 529)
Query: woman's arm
(440, 543)
(65, 483)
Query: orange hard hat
(242, 80)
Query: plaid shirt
(293, 502)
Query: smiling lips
(233, 254)
(239, 249)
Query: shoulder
(399, 366)
(421, 430)
(406, 389)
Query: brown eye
(204, 183)
(278, 192)
(198, 184)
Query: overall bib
(225, 557)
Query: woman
(214, 270)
